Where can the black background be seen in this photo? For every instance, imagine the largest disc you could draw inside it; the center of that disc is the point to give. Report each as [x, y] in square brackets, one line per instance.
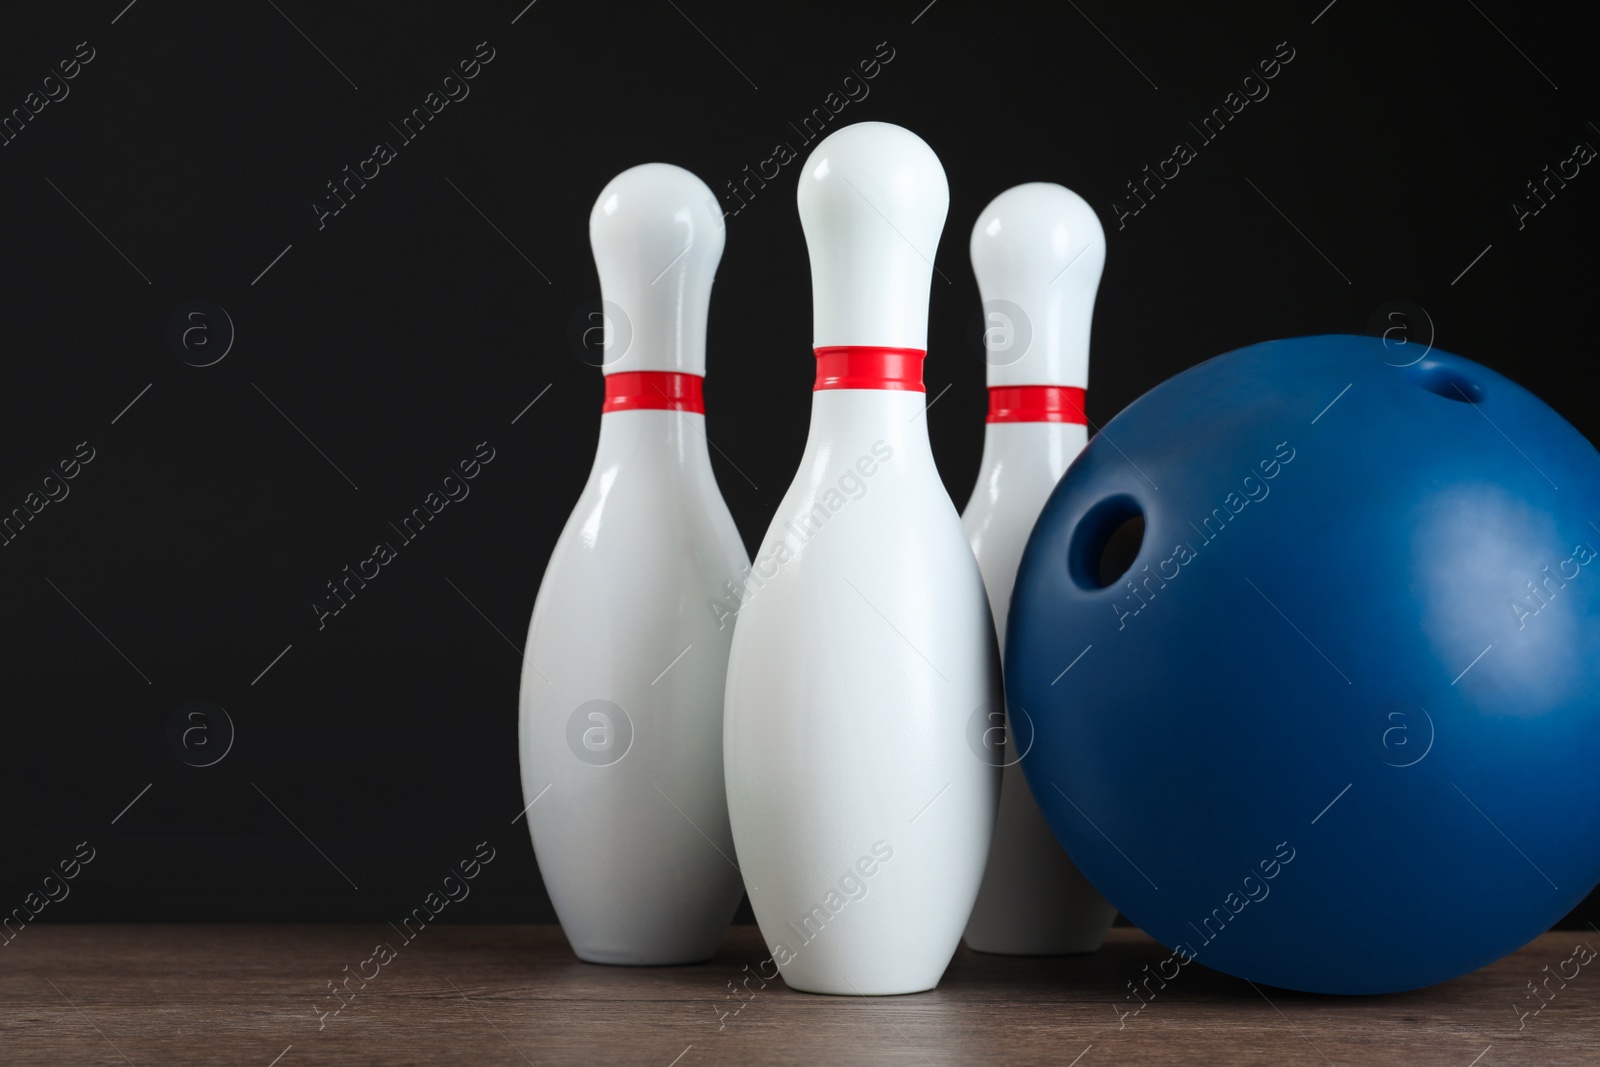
[426, 315]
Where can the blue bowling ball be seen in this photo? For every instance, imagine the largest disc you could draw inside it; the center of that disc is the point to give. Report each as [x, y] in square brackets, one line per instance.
[1310, 645]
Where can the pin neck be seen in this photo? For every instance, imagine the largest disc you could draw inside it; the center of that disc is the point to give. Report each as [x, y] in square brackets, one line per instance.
[1037, 403]
[654, 438]
[869, 367]
[654, 390]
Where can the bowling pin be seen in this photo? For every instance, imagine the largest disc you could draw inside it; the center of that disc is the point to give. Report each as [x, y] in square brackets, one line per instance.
[1038, 251]
[864, 645]
[622, 684]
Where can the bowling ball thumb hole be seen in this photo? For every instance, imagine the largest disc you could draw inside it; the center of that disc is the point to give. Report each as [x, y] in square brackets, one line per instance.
[1106, 542]
[1444, 381]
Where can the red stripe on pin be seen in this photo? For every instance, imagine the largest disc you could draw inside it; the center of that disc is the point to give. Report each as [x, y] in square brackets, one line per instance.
[659, 390]
[1037, 403]
[869, 367]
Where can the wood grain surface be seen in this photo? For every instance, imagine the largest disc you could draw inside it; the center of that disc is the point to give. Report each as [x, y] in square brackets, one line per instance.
[484, 995]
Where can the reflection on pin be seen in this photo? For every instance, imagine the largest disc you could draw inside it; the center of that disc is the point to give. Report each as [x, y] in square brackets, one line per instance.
[635, 879]
[1038, 252]
[855, 671]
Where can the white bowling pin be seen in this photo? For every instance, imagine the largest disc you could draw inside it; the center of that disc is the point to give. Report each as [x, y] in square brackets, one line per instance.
[621, 725]
[1038, 251]
[864, 647]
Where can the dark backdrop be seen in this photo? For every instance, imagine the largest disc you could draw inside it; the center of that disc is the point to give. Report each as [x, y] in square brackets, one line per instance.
[175, 178]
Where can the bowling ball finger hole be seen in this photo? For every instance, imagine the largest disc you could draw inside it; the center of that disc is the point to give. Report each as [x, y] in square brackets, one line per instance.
[1441, 380]
[1106, 542]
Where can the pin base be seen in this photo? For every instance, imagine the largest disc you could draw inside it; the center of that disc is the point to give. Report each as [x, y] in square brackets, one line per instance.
[629, 958]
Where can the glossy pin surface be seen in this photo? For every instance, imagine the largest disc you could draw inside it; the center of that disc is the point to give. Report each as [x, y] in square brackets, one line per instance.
[621, 700]
[864, 650]
[1038, 251]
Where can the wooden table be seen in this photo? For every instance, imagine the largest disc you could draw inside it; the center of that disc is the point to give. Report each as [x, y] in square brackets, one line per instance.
[511, 995]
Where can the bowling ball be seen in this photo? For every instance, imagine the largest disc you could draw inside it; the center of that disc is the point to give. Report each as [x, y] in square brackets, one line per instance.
[1311, 646]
